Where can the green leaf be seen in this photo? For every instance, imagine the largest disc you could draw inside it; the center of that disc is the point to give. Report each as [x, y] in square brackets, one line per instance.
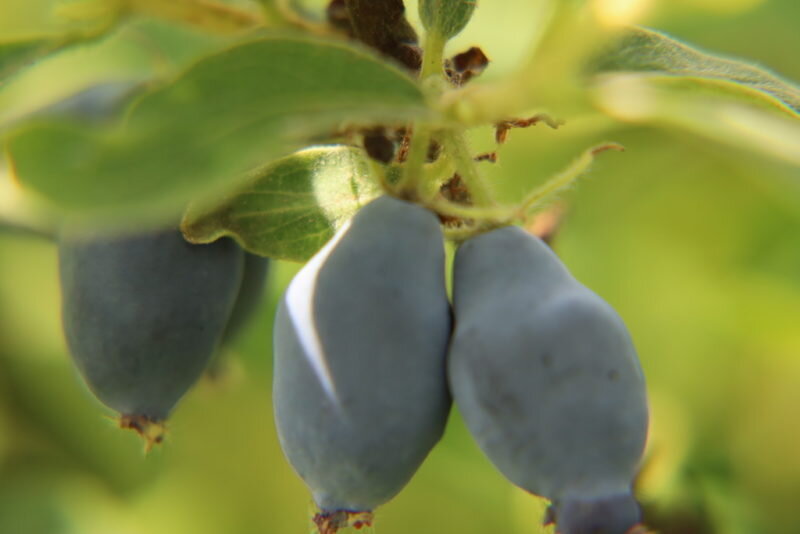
[97, 103]
[16, 55]
[646, 51]
[292, 207]
[446, 17]
[81, 23]
[688, 106]
[196, 137]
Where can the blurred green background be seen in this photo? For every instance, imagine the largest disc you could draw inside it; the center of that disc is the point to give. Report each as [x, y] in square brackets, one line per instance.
[697, 246]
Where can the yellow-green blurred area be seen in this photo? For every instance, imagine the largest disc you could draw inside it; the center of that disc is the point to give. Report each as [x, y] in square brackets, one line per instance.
[696, 245]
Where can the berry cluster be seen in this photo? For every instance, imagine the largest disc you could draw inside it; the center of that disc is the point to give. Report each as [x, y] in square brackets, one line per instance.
[542, 369]
[369, 355]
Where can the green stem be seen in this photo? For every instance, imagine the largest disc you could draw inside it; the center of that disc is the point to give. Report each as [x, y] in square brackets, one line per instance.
[494, 214]
[417, 154]
[455, 144]
[565, 178]
[436, 175]
[432, 56]
[432, 69]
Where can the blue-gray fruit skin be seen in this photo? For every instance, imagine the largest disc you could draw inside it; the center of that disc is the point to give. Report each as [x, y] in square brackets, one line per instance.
[548, 381]
[360, 338]
[614, 514]
[254, 278]
[143, 314]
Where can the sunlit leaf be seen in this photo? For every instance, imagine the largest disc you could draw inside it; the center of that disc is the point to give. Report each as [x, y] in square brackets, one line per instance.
[697, 108]
[289, 209]
[227, 115]
[647, 51]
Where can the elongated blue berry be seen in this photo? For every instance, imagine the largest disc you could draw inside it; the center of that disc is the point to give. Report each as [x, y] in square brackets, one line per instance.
[360, 338]
[548, 381]
[143, 314]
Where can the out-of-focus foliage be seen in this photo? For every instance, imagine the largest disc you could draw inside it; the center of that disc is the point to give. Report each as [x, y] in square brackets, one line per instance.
[697, 245]
[227, 114]
[643, 50]
[659, 80]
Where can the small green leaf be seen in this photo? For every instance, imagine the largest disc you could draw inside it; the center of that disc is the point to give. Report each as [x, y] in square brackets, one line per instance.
[227, 115]
[446, 17]
[292, 207]
[646, 51]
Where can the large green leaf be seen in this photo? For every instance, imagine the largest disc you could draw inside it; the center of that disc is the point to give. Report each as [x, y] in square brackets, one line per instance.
[289, 209]
[227, 115]
[645, 51]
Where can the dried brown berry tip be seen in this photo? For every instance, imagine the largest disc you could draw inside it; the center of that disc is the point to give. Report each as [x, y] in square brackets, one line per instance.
[331, 522]
[152, 431]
